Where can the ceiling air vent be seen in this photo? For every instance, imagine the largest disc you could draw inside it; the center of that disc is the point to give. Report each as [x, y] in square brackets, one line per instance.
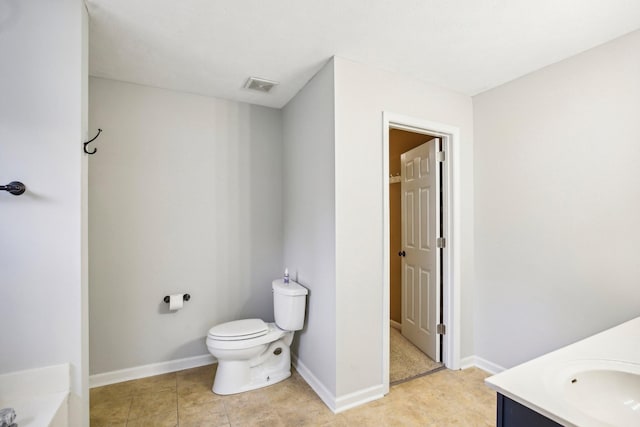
[262, 85]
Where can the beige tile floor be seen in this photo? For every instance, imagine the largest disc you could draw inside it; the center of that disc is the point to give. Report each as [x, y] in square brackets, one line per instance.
[445, 398]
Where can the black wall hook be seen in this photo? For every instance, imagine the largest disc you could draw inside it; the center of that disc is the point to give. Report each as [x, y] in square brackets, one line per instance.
[91, 140]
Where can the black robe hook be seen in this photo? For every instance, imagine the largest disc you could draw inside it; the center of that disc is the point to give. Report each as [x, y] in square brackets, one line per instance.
[91, 140]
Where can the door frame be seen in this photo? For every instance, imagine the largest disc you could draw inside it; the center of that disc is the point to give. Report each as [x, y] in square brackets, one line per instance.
[451, 284]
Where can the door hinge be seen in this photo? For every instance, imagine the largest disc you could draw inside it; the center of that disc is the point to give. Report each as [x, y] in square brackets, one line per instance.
[441, 242]
[441, 156]
[441, 329]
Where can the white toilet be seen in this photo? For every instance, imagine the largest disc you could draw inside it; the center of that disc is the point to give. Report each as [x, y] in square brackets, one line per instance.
[253, 354]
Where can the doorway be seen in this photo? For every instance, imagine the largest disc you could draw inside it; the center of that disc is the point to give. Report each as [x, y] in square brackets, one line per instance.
[415, 271]
[445, 140]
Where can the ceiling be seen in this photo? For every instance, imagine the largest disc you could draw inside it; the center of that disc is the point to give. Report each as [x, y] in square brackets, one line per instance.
[210, 47]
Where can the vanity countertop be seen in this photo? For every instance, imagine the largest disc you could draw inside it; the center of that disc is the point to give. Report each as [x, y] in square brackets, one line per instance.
[542, 384]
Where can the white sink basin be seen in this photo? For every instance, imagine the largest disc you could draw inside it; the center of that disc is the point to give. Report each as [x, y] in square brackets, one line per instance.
[594, 382]
[604, 390]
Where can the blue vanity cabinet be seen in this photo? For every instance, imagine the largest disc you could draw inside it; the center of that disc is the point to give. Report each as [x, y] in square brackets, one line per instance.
[514, 414]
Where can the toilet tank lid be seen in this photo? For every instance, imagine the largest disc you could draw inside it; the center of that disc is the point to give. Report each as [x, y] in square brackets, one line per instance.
[291, 288]
[247, 328]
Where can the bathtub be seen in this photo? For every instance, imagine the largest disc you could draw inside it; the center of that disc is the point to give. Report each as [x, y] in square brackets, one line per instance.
[591, 383]
[39, 396]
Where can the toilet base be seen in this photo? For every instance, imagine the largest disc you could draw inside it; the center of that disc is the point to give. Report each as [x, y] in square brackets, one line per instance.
[233, 376]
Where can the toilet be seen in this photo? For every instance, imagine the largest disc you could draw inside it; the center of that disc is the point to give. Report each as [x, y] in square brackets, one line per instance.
[252, 353]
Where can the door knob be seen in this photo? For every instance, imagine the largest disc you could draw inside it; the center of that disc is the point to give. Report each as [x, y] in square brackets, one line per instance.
[402, 253]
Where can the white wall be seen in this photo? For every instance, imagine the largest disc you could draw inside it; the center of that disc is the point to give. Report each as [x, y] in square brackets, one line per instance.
[43, 51]
[185, 196]
[557, 190]
[362, 94]
[309, 219]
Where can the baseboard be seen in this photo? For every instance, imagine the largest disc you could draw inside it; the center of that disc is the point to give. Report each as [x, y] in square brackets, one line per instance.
[323, 393]
[143, 371]
[492, 368]
[481, 363]
[396, 325]
[359, 397]
[342, 403]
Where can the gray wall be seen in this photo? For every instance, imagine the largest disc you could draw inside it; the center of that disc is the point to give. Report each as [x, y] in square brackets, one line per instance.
[362, 94]
[333, 215]
[185, 196]
[43, 87]
[309, 218]
[557, 202]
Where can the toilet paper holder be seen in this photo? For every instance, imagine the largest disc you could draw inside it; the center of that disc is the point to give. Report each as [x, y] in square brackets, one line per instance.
[185, 297]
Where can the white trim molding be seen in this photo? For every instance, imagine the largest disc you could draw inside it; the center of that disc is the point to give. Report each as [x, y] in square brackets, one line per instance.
[479, 362]
[323, 393]
[359, 397]
[150, 370]
[342, 403]
[452, 225]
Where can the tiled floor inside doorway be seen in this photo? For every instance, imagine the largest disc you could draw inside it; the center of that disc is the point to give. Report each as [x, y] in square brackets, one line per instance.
[406, 361]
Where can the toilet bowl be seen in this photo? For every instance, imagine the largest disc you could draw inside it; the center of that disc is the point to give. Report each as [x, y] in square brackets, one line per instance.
[252, 353]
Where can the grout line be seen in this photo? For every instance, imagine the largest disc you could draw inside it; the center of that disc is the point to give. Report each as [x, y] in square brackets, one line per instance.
[129, 410]
[177, 403]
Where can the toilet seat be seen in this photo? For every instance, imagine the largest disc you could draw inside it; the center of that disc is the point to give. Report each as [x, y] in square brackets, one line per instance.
[273, 333]
[239, 330]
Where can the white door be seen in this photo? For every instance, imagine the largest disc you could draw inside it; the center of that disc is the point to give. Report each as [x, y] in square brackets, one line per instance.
[420, 198]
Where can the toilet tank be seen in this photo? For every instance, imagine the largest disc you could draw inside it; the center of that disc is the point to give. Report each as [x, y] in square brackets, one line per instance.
[289, 303]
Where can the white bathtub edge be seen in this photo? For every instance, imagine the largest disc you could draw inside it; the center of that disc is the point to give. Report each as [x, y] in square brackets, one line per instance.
[46, 380]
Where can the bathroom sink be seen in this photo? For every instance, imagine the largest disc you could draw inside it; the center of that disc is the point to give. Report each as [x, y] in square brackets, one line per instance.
[604, 390]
